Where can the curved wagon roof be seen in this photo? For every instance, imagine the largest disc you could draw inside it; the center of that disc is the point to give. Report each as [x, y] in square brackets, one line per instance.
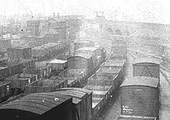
[38, 103]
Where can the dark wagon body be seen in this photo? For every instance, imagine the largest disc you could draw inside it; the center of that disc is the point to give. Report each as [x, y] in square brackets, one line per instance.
[80, 61]
[140, 93]
[140, 97]
[81, 106]
[88, 100]
[118, 50]
[39, 106]
[5, 90]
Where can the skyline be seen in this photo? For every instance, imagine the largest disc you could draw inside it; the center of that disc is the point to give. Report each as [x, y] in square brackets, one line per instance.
[155, 11]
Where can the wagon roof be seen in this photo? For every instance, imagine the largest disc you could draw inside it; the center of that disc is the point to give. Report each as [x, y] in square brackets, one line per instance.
[58, 61]
[72, 92]
[88, 48]
[142, 81]
[147, 60]
[79, 89]
[86, 56]
[38, 103]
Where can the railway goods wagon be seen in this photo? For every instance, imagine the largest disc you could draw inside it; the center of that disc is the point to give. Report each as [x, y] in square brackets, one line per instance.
[146, 67]
[5, 90]
[31, 76]
[83, 43]
[39, 106]
[64, 56]
[45, 85]
[81, 75]
[19, 82]
[98, 54]
[57, 65]
[86, 50]
[113, 64]
[49, 50]
[88, 100]
[15, 68]
[28, 63]
[100, 96]
[72, 81]
[43, 66]
[42, 72]
[76, 72]
[19, 52]
[110, 68]
[140, 98]
[102, 87]
[82, 107]
[104, 83]
[109, 76]
[4, 73]
[81, 61]
[118, 50]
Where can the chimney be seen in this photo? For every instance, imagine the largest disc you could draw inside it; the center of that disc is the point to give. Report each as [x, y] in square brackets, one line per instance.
[53, 15]
[58, 15]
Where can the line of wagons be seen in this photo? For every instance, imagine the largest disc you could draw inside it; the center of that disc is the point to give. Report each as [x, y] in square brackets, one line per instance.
[60, 71]
[102, 84]
[84, 104]
[140, 94]
[22, 58]
[70, 103]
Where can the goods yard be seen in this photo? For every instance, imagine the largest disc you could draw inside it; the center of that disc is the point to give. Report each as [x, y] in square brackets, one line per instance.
[111, 76]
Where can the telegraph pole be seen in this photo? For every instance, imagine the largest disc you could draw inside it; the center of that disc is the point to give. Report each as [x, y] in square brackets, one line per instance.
[115, 12]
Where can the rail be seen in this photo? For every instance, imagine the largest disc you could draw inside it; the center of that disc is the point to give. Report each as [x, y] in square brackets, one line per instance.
[158, 57]
[166, 77]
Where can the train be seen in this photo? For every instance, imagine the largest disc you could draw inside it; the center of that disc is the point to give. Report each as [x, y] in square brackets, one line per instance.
[15, 68]
[87, 57]
[87, 101]
[21, 60]
[84, 103]
[118, 49]
[30, 71]
[140, 93]
[49, 50]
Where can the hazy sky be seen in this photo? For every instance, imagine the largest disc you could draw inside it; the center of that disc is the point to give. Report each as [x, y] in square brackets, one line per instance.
[134, 10]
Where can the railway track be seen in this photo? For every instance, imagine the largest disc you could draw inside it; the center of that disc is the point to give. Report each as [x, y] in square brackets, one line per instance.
[164, 94]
